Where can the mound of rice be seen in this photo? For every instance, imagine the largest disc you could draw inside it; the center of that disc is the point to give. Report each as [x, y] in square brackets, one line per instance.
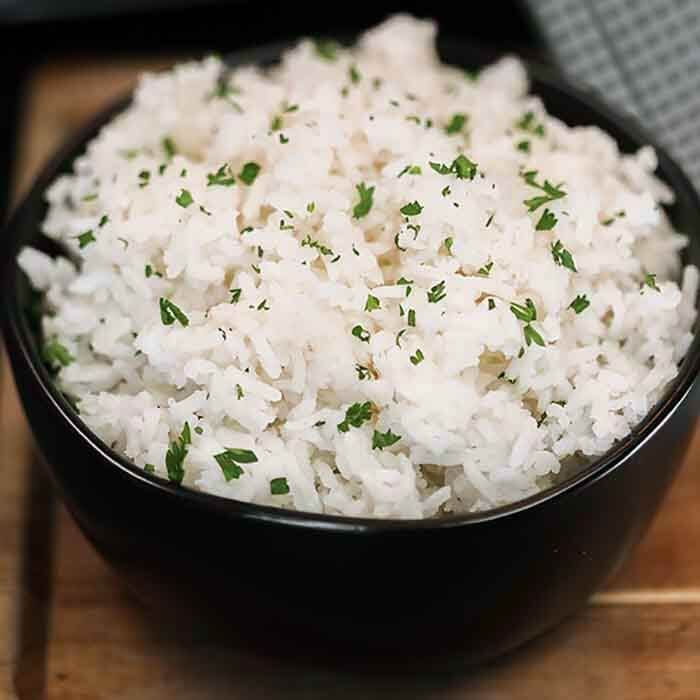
[360, 283]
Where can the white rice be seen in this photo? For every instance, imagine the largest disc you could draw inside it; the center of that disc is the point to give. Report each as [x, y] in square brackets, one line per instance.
[484, 419]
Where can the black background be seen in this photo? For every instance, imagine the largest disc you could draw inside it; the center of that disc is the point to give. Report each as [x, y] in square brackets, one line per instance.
[36, 31]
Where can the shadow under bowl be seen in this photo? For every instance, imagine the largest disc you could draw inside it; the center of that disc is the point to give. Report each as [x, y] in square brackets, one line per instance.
[464, 587]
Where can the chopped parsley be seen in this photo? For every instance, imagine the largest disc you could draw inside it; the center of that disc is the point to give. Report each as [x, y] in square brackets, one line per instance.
[249, 172]
[411, 170]
[149, 468]
[489, 220]
[650, 281]
[396, 243]
[448, 243]
[461, 167]
[230, 460]
[354, 74]
[456, 123]
[528, 123]
[310, 207]
[408, 283]
[355, 416]
[85, 239]
[103, 220]
[361, 333]
[169, 313]
[262, 306]
[492, 304]
[580, 303]
[437, 293]
[311, 243]
[168, 147]
[382, 440]
[562, 256]
[527, 314]
[184, 199]
[399, 335]
[283, 139]
[54, 353]
[326, 49]
[148, 271]
[366, 194]
[90, 197]
[223, 177]
[235, 295]
[417, 358]
[239, 392]
[412, 318]
[279, 486]
[411, 209]
[199, 430]
[175, 456]
[547, 221]
[445, 191]
[523, 146]
[550, 191]
[372, 303]
[532, 336]
[485, 271]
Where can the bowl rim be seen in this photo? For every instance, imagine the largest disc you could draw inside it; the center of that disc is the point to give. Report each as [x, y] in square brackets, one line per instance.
[18, 334]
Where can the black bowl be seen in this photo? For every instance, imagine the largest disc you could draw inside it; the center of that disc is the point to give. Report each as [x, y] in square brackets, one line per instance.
[474, 584]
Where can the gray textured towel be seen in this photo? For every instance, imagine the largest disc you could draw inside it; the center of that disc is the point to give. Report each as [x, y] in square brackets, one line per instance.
[642, 56]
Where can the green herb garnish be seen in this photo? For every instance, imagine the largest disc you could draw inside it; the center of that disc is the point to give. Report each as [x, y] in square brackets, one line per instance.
[456, 123]
[361, 333]
[184, 199]
[54, 353]
[169, 313]
[650, 281]
[580, 303]
[382, 440]
[437, 293]
[417, 358]
[550, 191]
[355, 416]
[231, 459]
[547, 221]
[411, 209]
[168, 147]
[222, 177]
[279, 486]
[175, 456]
[85, 239]
[366, 194]
[372, 303]
[562, 256]
[326, 49]
[249, 172]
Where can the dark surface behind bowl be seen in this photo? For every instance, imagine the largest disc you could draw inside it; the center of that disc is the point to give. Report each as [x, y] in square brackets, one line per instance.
[472, 586]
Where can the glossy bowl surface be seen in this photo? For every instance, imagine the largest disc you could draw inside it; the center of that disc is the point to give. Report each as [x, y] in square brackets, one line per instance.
[467, 587]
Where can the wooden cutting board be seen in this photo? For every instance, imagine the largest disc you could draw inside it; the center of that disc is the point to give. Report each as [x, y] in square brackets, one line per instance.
[69, 631]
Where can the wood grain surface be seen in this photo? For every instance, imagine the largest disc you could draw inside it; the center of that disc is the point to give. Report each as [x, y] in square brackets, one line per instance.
[69, 631]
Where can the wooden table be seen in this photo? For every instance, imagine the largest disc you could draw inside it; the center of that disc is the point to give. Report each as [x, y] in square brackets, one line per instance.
[68, 630]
